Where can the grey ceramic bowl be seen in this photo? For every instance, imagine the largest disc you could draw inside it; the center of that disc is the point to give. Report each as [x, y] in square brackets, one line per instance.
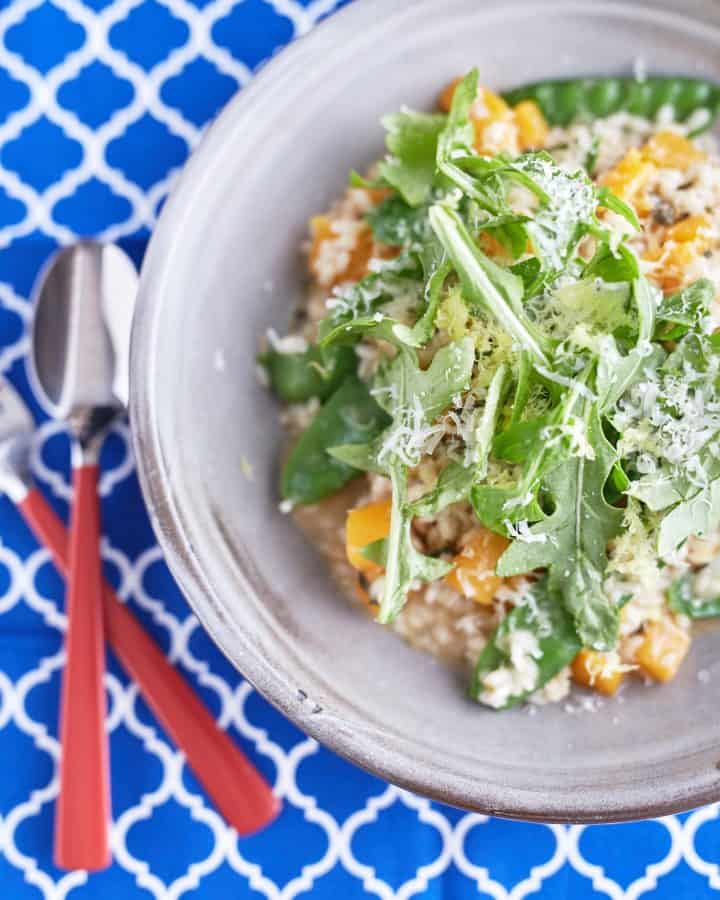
[223, 265]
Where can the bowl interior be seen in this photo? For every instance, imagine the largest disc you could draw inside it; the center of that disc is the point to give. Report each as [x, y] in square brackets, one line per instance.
[225, 265]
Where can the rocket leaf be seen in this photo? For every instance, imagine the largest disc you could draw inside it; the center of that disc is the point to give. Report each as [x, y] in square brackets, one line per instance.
[412, 141]
[487, 285]
[572, 541]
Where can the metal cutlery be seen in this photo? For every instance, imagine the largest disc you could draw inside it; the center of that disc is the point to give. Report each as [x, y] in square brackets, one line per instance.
[81, 330]
[239, 792]
[84, 307]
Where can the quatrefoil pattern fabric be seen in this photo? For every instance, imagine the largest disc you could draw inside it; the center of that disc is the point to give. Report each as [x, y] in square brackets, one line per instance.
[101, 102]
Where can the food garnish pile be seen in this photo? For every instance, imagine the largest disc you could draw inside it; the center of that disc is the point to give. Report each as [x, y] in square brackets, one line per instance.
[510, 339]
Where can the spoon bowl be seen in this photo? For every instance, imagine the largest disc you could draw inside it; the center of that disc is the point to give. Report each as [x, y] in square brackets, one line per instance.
[81, 335]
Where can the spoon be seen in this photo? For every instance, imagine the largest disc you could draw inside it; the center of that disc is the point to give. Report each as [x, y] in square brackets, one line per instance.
[83, 313]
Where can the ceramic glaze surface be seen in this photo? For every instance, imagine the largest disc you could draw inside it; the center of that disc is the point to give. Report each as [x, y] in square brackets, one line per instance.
[223, 266]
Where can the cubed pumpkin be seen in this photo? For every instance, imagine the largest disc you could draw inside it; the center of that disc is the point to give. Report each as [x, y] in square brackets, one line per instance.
[364, 525]
[662, 650]
[474, 571]
[532, 127]
[598, 671]
[669, 150]
[356, 252]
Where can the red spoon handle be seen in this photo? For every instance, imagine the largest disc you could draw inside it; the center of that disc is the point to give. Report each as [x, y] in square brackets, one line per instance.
[82, 813]
[239, 792]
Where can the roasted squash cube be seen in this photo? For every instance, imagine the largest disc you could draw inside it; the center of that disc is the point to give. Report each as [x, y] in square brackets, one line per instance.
[629, 179]
[339, 253]
[669, 150]
[600, 671]
[662, 650]
[364, 525]
[697, 228]
[532, 127]
[474, 572]
[448, 92]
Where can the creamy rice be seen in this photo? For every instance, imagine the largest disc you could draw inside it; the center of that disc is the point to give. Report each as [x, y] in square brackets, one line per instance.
[438, 618]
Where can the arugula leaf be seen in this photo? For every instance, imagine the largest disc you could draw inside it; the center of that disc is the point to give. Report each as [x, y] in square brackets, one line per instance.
[453, 485]
[494, 173]
[685, 310]
[399, 277]
[700, 515]
[657, 490]
[422, 331]
[615, 372]
[566, 202]
[378, 327]
[404, 563]
[457, 137]
[601, 305]
[459, 131]
[411, 396]
[541, 633]
[485, 284]
[296, 377]
[395, 222]
[524, 382]
[414, 398]
[433, 388]
[572, 541]
[478, 177]
[499, 507]
[529, 270]
[619, 264]
[487, 424]
[612, 202]
[520, 439]
[567, 213]
[683, 600]
[495, 507]
[456, 480]
[350, 416]
[412, 139]
[670, 427]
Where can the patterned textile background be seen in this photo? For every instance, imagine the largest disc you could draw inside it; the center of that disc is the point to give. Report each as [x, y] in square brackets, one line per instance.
[100, 103]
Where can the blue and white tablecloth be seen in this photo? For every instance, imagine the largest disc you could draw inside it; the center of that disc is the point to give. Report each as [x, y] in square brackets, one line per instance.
[100, 103]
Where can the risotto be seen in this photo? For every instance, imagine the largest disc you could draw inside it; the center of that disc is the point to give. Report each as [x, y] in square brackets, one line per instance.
[502, 394]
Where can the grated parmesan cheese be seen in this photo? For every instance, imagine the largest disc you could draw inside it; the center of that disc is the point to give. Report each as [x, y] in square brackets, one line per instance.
[519, 677]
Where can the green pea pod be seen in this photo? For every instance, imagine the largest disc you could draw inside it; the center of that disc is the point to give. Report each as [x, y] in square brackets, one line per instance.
[580, 99]
[682, 600]
[350, 416]
[557, 645]
[297, 377]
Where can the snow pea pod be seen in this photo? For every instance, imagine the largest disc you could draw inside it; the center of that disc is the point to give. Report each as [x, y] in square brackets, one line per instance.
[297, 377]
[564, 101]
[350, 416]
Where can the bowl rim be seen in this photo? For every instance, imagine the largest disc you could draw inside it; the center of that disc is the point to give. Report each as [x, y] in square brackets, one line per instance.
[166, 519]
